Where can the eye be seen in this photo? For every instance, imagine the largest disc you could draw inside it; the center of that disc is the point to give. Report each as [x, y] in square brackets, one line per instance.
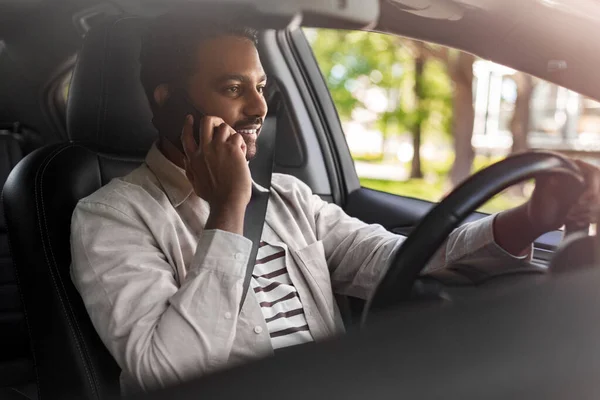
[233, 89]
[260, 89]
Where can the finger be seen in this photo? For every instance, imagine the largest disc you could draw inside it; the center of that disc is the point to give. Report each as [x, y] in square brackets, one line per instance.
[238, 142]
[576, 224]
[575, 214]
[187, 137]
[580, 210]
[222, 133]
[584, 167]
[591, 174]
[236, 139]
[207, 131]
[587, 200]
[583, 214]
[579, 219]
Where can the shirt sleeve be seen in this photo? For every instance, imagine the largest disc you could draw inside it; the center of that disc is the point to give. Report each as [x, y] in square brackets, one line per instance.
[159, 332]
[474, 244]
[358, 253]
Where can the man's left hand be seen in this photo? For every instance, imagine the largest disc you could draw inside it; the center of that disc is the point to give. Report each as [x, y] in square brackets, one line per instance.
[555, 202]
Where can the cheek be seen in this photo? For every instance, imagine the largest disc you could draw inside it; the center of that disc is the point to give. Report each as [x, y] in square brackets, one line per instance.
[222, 107]
[215, 104]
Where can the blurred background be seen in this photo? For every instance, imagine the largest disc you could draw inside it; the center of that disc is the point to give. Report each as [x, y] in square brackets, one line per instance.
[420, 118]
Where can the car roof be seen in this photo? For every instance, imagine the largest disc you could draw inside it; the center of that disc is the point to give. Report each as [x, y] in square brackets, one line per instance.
[551, 39]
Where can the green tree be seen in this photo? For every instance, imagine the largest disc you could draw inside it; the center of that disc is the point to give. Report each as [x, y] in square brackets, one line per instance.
[520, 121]
[417, 89]
[460, 66]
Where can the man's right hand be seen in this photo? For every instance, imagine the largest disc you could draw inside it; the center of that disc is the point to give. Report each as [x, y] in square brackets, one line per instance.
[218, 171]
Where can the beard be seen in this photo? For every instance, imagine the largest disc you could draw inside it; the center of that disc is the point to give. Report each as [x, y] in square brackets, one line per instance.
[250, 131]
[251, 148]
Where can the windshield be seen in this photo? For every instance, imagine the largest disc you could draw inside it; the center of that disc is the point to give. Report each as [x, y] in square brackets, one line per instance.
[419, 118]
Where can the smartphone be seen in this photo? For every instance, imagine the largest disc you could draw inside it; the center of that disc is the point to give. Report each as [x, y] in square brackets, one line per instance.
[170, 118]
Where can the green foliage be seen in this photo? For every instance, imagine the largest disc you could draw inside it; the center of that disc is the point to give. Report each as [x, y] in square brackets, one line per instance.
[353, 62]
[371, 158]
[421, 189]
[434, 187]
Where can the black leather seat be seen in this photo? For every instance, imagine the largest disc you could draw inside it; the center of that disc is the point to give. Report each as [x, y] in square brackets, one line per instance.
[110, 126]
[16, 365]
[109, 123]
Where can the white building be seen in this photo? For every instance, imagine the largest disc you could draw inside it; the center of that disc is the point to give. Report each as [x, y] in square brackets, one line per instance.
[560, 119]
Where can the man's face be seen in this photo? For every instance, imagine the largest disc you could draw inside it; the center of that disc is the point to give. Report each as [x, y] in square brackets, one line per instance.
[229, 84]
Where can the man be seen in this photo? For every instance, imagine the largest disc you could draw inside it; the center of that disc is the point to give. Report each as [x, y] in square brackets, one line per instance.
[159, 257]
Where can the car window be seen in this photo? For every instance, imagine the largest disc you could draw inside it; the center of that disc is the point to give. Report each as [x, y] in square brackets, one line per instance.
[420, 118]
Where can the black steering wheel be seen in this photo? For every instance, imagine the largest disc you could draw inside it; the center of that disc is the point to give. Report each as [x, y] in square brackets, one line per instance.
[431, 232]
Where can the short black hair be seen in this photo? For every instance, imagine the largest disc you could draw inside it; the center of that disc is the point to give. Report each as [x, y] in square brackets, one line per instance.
[168, 52]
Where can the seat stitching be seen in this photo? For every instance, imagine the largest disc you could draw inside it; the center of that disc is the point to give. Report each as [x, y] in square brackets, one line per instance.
[18, 391]
[52, 264]
[25, 313]
[115, 158]
[38, 179]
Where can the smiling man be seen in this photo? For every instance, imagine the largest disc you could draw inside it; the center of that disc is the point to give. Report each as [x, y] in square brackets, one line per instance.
[159, 257]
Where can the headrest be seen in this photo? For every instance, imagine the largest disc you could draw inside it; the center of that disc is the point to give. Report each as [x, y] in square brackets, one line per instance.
[107, 105]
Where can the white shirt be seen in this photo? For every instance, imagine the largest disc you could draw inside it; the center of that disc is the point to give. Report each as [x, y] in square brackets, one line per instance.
[164, 294]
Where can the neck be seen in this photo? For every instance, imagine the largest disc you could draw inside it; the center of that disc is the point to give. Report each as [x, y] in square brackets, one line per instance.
[172, 153]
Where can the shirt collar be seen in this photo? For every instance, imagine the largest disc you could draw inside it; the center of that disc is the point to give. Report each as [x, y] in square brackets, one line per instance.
[258, 187]
[173, 179]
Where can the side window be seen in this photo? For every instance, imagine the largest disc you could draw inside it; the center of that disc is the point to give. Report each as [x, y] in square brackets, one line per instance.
[420, 118]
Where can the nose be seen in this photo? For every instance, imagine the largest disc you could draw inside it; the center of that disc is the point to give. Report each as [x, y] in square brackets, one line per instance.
[255, 105]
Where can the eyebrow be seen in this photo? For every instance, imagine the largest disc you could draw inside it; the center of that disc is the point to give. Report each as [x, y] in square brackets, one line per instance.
[241, 78]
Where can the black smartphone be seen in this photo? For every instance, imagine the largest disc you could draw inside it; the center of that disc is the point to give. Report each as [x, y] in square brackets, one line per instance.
[170, 118]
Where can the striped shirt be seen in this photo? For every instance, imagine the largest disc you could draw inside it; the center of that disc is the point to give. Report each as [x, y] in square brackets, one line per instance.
[278, 298]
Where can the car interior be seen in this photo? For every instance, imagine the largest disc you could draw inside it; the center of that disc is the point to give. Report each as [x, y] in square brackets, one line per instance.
[16, 366]
[58, 148]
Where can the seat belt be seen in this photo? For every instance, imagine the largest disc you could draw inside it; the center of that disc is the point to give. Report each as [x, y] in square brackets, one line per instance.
[261, 169]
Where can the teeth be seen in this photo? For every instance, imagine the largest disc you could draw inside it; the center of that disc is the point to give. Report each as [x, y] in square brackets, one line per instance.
[247, 131]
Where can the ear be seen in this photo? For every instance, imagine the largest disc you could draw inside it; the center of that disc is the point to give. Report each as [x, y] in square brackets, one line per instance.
[161, 94]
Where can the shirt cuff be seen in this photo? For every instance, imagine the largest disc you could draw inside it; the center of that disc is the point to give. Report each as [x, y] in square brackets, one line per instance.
[223, 251]
[483, 235]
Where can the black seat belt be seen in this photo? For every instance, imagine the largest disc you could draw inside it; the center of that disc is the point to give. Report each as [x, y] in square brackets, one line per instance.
[261, 168]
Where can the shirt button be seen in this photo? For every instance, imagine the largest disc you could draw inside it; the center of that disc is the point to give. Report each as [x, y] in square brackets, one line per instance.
[239, 256]
[227, 315]
[257, 329]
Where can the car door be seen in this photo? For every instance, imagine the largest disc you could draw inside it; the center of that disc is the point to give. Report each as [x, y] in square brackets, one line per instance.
[398, 209]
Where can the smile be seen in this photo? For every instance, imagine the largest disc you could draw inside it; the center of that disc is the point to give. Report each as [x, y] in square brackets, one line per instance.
[249, 130]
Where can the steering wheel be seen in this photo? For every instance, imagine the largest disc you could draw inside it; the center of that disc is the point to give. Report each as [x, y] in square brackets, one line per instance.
[431, 232]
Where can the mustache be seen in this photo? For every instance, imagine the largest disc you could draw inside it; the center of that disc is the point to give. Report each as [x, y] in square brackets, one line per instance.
[248, 122]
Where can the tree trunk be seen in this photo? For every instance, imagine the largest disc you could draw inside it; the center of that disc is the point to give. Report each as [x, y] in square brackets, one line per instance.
[519, 124]
[461, 72]
[384, 136]
[415, 167]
